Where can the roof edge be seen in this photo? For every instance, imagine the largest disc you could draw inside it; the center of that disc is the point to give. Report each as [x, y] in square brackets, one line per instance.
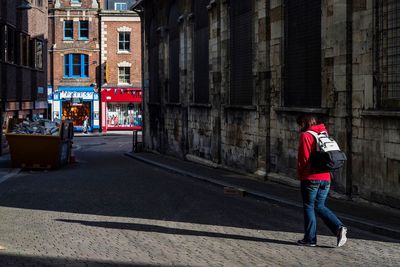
[137, 4]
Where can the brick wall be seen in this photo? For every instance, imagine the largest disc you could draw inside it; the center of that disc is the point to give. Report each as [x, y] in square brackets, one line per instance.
[111, 25]
[62, 47]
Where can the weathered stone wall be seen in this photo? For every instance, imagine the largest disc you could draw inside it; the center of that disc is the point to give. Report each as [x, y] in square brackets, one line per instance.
[376, 133]
[263, 138]
[200, 133]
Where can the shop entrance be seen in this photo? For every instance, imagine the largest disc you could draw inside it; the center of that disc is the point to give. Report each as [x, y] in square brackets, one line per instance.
[76, 112]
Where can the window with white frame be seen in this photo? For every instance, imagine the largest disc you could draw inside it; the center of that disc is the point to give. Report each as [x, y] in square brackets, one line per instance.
[124, 43]
[121, 6]
[124, 75]
[83, 30]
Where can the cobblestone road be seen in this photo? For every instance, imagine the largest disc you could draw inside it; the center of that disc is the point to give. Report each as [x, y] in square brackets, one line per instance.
[110, 210]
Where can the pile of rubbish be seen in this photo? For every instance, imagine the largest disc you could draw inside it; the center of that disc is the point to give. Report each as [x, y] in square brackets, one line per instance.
[40, 127]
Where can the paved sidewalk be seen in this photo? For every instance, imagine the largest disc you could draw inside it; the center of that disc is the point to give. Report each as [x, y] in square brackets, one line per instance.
[109, 133]
[355, 213]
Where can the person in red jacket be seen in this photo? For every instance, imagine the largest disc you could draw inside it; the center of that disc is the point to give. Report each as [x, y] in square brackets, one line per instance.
[314, 186]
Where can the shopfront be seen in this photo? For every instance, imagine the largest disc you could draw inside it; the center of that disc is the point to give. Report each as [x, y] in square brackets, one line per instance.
[75, 104]
[121, 109]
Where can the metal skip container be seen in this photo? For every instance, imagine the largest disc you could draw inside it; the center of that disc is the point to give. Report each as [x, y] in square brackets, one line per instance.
[39, 151]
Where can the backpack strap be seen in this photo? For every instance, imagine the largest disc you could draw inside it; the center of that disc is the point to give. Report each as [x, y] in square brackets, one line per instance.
[316, 135]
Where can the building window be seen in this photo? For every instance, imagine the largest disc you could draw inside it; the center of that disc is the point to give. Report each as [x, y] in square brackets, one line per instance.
[10, 44]
[241, 53]
[174, 47]
[32, 53]
[302, 71]
[388, 54]
[153, 42]
[68, 30]
[124, 43]
[83, 30]
[39, 54]
[2, 42]
[24, 49]
[201, 51]
[124, 75]
[76, 66]
[121, 6]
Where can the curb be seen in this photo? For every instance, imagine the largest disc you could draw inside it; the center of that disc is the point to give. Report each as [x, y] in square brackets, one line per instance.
[355, 221]
[97, 135]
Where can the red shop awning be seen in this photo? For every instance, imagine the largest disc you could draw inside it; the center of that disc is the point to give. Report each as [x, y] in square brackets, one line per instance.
[126, 94]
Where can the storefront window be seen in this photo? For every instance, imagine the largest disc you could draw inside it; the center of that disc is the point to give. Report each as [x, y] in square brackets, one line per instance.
[76, 112]
[124, 115]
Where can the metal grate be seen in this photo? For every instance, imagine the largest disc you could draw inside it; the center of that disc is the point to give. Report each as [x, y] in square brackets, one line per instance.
[241, 52]
[388, 52]
[201, 52]
[173, 27]
[302, 70]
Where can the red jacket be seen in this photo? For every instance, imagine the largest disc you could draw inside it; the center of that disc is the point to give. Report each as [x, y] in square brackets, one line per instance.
[307, 145]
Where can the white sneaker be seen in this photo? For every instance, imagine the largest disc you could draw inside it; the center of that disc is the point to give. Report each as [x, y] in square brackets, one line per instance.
[341, 238]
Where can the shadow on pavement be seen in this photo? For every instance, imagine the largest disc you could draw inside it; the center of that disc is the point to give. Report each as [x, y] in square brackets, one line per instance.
[175, 231]
[22, 260]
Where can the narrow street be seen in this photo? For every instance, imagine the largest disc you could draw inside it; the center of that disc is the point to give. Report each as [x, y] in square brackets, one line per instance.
[110, 210]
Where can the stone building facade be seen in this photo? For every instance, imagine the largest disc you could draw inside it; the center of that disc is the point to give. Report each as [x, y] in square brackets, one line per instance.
[224, 81]
[23, 60]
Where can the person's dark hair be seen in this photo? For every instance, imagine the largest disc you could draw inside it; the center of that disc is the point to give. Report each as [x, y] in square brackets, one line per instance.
[306, 120]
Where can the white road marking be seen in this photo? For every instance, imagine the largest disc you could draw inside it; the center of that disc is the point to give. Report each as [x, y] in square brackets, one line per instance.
[10, 174]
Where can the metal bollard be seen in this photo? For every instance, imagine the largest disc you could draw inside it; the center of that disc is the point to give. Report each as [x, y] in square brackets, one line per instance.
[135, 140]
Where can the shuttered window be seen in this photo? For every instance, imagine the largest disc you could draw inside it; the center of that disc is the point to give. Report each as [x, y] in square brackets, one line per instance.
[388, 53]
[241, 52]
[154, 89]
[302, 71]
[201, 52]
[173, 89]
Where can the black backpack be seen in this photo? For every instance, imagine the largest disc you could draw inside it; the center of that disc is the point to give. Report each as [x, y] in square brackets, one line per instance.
[327, 156]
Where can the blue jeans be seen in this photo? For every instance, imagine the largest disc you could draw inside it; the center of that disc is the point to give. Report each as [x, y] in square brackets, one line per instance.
[314, 193]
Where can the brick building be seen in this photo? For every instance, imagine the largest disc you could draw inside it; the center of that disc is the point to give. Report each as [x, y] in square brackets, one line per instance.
[23, 59]
[74, 66]
[225, 80]
[94, 63]
[121, 94]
